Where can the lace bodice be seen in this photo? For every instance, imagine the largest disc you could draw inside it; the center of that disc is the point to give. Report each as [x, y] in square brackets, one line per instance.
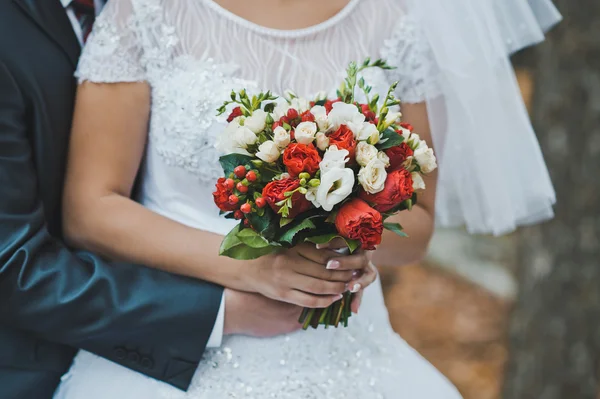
[193, 52]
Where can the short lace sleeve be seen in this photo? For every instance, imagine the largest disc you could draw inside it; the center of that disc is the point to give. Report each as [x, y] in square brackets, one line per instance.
[113, 52]
[415, 69]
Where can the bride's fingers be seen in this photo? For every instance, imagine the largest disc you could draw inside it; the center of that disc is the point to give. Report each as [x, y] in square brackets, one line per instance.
[316, 286]
[319, 272]
[336, 243]
[363, 280]
[310, 301]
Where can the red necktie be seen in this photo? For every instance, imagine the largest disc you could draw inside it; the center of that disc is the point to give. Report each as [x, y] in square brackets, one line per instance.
[86, 14]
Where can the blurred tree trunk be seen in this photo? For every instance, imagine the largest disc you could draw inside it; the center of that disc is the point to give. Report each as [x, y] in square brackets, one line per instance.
[555, 327]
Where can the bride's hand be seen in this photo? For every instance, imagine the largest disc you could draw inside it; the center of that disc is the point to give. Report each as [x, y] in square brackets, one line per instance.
[307, 276]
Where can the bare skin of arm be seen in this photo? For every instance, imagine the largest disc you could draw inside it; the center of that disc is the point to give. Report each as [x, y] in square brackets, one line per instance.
[108, 141]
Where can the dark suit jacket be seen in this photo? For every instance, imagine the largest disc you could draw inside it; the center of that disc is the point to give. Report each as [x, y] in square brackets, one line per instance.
[52, 299]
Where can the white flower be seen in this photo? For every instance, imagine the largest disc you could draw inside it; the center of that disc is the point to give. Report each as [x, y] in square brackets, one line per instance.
[305, 132]
[284, 175]
[322, 141]
[281, 137]
[336, 185]
[372, 177]
[365, 153]
[226, 140]
[268, 151]
[415, 141]
[280, 110]
[346, 114]
[301, 104]
[244, 137]
[418, 183]
[257, 121]
[392, 117]
[368, 131]
[333, 159]
[382, 156]
[404, 132]
[320, 114]
[311, 195]
[426, 159]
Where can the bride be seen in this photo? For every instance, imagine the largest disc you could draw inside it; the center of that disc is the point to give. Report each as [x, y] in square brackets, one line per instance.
[153, 74]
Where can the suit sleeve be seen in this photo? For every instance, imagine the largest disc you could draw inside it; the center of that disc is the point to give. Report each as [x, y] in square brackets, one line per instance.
[78, 299]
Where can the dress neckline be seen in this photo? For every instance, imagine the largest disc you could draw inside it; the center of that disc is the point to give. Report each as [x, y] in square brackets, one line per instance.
[283, 33]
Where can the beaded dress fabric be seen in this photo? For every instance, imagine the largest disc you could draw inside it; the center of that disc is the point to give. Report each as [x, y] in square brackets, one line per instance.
[193, 53]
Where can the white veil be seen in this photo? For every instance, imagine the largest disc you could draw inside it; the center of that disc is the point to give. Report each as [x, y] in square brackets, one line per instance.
[492, 174]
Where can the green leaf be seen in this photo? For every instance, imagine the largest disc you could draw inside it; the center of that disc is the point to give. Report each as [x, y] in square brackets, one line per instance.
[291, 233]
[353, 245]
[266, 225]
[285, 222]
[396, 228]
[231, 161]
[234, 248]
[252, 239]
[270, 107]
[389, 139]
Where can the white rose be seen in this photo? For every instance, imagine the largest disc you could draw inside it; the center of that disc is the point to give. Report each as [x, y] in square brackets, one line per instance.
[257, 121]
[392, 117]
[346, 114]
[244, 137]
[281, 137]
[365, 153]
[426, 159]
[418, 183]
[305, 132]
[404, 133]
[280, 110]
[322, 141]
[333, 159]
[268, 151]
[320, 114]
[415, 141]
[367, 131]
[336, 185]
[372, 177]
[382, 156]
[301, 104]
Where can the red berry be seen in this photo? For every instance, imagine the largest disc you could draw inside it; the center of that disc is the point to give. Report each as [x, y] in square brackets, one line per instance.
[238, 215]
[261, 202]
[233, 199]
[246, 223]
[240, 171]
[229, 183]
[251, 176]
[246, 208]
[241, 188]
[292, 114]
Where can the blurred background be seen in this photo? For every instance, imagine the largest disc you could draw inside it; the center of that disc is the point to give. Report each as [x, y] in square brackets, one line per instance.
[518, 317]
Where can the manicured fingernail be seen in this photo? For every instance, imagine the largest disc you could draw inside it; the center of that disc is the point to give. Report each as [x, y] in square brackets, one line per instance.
[355, 273]
[355, 288]
[322, 246]
[333, 264]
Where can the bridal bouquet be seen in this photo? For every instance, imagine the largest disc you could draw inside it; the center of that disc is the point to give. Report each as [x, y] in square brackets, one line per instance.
[300, 170]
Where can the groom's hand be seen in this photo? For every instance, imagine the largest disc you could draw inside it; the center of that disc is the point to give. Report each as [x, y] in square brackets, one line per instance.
[258, 316]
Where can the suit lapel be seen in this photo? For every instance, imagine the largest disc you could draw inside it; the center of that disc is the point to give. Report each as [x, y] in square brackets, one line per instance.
[50, 16]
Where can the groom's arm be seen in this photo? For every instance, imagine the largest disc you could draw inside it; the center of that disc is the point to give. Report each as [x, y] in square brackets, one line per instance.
[77, 298]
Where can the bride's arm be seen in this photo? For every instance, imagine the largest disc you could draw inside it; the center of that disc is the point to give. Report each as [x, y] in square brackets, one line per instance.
[107, 145]
[419, 222]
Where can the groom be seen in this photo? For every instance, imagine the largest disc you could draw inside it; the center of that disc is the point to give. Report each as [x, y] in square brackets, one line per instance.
[53, 300]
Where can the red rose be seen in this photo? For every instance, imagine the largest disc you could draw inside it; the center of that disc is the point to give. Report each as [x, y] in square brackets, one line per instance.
[237, 111]
[275, 192]
[369, 115]
[307, 116]
[343, 138]
[398, 155]
[329, 104]
[221, 196]
[407, 126]
[398, 187]
[358, 221]
[300, 158]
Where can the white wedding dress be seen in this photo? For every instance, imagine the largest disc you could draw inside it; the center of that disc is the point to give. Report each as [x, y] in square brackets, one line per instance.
[193, 53]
